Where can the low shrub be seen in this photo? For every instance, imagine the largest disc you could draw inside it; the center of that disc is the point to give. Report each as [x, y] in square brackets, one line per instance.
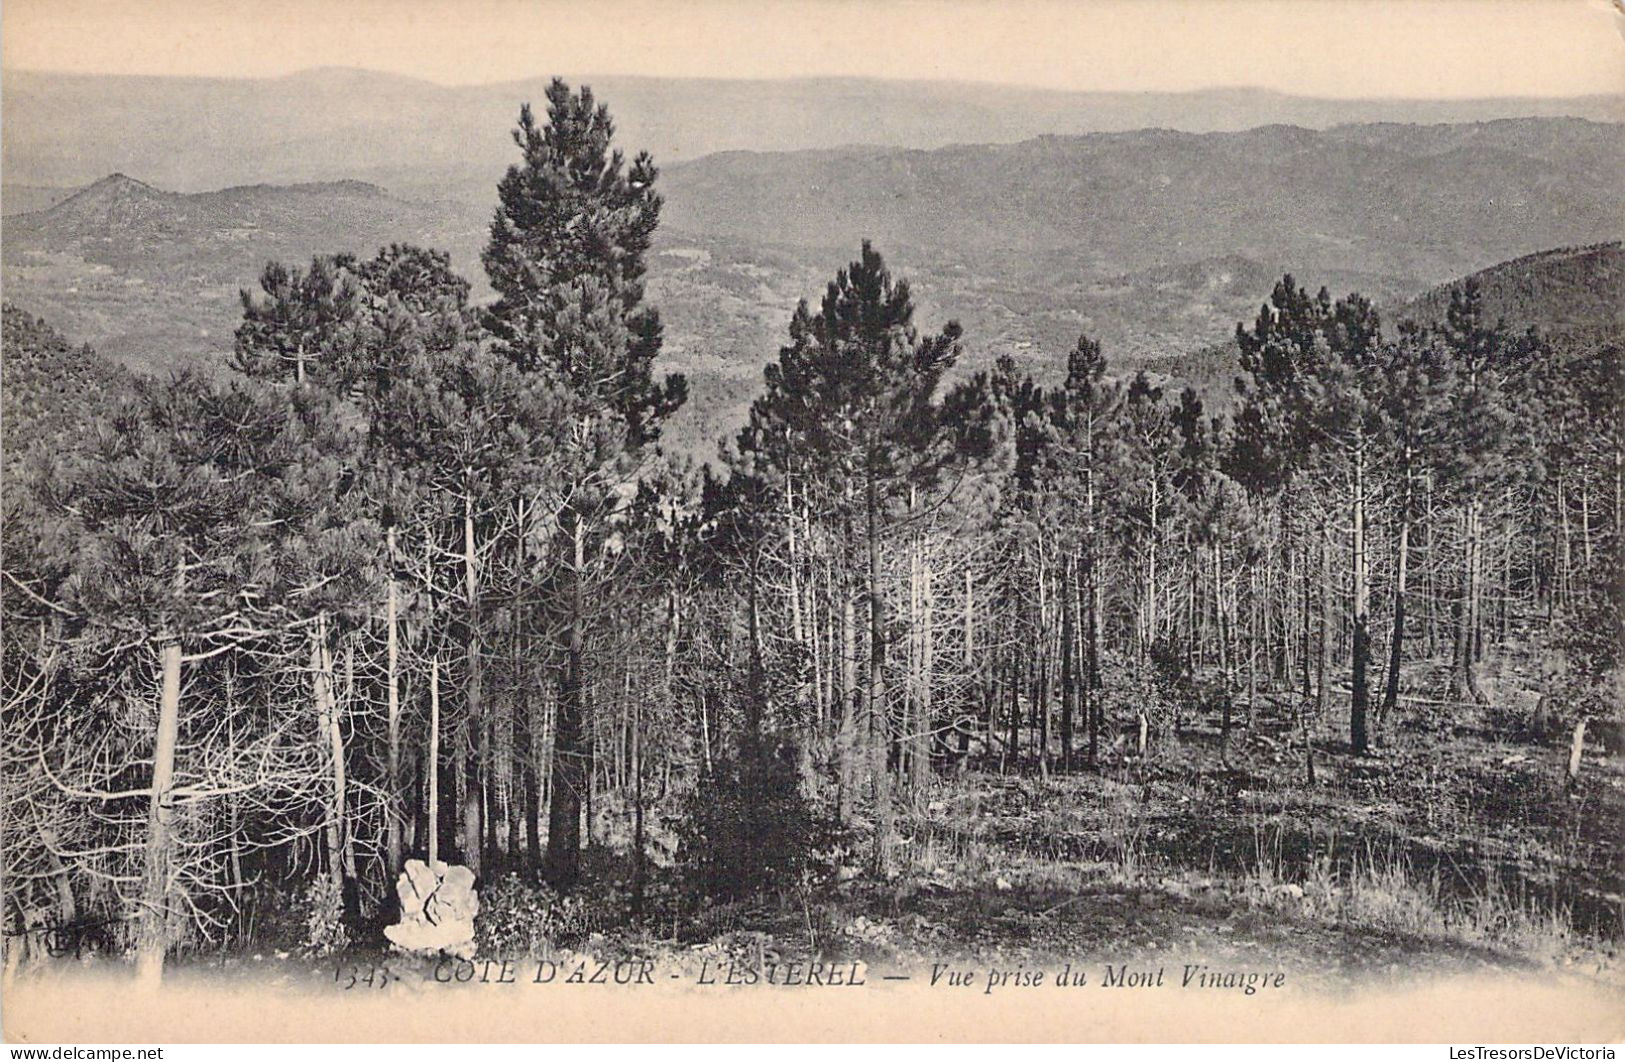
[747, 830]
[519, 916]
[322, 904]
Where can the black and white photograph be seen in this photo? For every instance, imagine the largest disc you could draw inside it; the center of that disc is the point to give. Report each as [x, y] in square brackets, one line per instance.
[533, 521]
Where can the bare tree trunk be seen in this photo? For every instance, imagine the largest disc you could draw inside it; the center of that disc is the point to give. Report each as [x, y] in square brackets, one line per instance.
[818, 724]
[339, 864]
[847, 739]
[153, 940]
[1306, 652]
[1256, 619]
[1430, 593]
[392, 761]
[1396, 641]
[1323, 655]
[798, 631]
[1360, 694]
[1221, 637]
[1151, 572]
[1040, 685]
[1013, 746]
[1092, 634]
[1466, 672]
[640, 866]
[756, 697]
[920, 728]
[1069, 667]
[562, 864]
[434, 764]
[322, 689]
[475, 765]
[879, 717]
[1585, 520]
[970, 663]
[1289, 595]
[541, 767]
[1565, 556]
[1195, 655]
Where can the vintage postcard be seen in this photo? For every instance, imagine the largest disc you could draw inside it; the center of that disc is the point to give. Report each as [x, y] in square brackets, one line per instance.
[813, 520]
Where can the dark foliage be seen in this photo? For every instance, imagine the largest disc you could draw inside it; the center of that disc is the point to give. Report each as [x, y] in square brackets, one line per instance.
[747, 829]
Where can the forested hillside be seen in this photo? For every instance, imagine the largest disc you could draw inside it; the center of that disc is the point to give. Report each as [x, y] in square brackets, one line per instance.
[1566, 291]
[417, 576]
[1571, 296]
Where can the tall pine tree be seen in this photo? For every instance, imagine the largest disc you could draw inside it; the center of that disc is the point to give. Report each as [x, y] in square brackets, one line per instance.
[566, 257]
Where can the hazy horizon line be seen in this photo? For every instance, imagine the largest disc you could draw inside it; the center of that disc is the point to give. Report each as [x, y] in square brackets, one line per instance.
[969, 82]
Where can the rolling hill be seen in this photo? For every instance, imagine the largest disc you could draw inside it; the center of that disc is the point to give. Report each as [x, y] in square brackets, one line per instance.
[1564, 291]
[151, 277]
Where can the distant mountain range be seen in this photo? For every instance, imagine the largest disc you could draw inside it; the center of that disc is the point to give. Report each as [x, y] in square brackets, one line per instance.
[1156, 242]
[1423, 202]
[420, 139]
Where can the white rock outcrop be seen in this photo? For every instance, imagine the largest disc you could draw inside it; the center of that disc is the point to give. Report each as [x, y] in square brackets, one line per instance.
[437, 910]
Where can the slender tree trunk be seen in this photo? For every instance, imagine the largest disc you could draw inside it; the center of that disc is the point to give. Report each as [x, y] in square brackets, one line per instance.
[1585, 520]
[1396, 641]
[1305, 650]
[1151, 573]
[1466, 676]
[1091, 595]
[847, 739]
[1221, 638]
[321, 683]
[805, 722]
[920, 761]
[1092, 634]
[1041, 668]
[1360, 695]
[755, 699]
[973, 679]
[1255, 621]
[1324, 653]
[1194, 655]
[1069, 667]
[562, 864]
[1430, 594]
[341, 863]
[911, 671]
[640, 857]
[528, 781]
[434, 764]
[392, 761]
[153, 939]
[879, 721]
[476, 764]
[1013, 746]
[1565, 556]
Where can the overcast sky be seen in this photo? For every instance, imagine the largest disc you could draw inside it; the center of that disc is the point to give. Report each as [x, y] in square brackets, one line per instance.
[1343, 48]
